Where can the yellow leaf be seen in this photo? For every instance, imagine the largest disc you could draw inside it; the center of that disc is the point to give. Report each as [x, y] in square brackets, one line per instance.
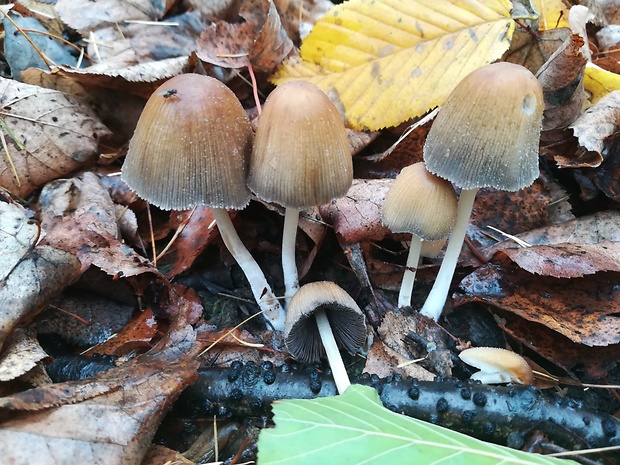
[553, 14]
[385, 61]
[599, 82]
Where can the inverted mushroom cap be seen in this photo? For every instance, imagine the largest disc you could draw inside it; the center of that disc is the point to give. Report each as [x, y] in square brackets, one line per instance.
[191, 146]
[301, 155]
[487, 132]
[498, 365]
[345, 317]
[420, 203]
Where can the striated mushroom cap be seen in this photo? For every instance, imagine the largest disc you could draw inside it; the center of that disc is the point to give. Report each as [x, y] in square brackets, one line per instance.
[345, 318]
[420, 203]
[497, 365]
[301, 155]
[487, 132]
[191, 146]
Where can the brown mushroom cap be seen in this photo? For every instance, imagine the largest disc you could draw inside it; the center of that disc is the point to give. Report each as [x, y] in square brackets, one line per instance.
[487, 132]
[345, 317]
[301, 155]
[420, 203]
[191, 146]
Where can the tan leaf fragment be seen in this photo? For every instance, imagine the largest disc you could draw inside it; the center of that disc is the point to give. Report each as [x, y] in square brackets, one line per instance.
[107, 12]
[357, 216]
[39, 277]
[21, 354]
[58, 132]
[260, 40]
[598, 122]
[30, 276]
[79, 217]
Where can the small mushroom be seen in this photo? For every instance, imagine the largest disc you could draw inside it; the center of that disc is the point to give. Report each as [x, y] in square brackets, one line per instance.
[301, 159]
[424, 205]
[497, 365]
[191, 147]
[486, 134]
[322, 316]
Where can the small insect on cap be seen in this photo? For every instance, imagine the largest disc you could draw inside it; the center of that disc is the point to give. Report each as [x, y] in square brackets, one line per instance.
[345, 318]
[301, 155]
[191, 146]
[487, 132]
[420, 203]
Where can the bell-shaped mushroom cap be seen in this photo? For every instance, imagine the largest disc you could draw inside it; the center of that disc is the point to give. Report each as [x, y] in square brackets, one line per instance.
[420, 203]
[301, 155]
[498, 365]
[191, 146]
[487, 132]
[345, 317]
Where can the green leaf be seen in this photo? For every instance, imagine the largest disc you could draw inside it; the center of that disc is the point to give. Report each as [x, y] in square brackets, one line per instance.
[354, 429]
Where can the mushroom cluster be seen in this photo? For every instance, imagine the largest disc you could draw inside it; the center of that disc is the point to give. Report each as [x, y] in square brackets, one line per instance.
[191, 147]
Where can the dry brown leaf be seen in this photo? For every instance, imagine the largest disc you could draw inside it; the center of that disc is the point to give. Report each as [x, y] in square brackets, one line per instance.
[136, 335]
[79, 217]
[123, 45]
[582, 309]
[562, 80]
[107, 419]
[567, 260]
[83, 318]
[598, 123]
[29, 276]
[102, 13]
[141, 79]
[199, 232]
[591, 229]
[59, 134]
[357, 215]
[21, 354]
[384, 361]
[259, 40]
[553, 346]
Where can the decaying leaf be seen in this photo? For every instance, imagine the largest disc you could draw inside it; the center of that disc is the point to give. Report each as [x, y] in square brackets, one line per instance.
[385, 61]
[259, 40]
[357, 216]
[562, 80]
[30, 276]
[80, 217]
[108, 12]
[51, 134]
[598, 122]
[21, 354]
[83, 318]
[107, 419]
[582, 309]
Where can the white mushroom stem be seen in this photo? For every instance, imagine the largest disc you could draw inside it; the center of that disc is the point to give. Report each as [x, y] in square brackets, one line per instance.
[289, 266]
[406, 287]
[339, 371]
[437, 298]
[268, 303]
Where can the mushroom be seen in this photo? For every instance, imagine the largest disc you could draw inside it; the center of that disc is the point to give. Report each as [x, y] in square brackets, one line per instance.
[485, 135]
[191, 147]
[424, 205]
[497, 365]
[301, 159]
[321, 316]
